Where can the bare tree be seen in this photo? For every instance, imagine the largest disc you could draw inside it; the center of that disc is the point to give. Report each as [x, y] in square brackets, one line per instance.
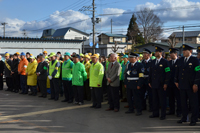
[115, 48]
[172, 41]
[150, 24]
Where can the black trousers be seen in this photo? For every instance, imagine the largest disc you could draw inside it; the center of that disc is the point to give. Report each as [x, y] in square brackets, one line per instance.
[87, 90]
[174, 93]
[23, 83]
[43, 87]
[159, 99]
[113, 97]
[193, 98]
[9, 83]
[33, 89]
[54, 83]
[96, 96]
[135, 97]
[68, 90]
[78, 93]
[1, 82]
[16, 81]
[150, 96]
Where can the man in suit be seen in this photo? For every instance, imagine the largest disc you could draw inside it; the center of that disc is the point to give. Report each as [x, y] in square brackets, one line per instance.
[1, 73]
[8, 64]
[112, 75]
[133, 80]
[187, 78]
[147, 63]
[14, 72]
[172, 90]
[158, 80]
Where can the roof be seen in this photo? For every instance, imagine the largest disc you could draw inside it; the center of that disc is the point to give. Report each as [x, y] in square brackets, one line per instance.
[113, 35]
[63, 31]
[39, 39]
[187, 34]
[167, 45]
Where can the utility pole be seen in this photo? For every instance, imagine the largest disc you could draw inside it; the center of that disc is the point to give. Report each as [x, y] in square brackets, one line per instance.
[4, 24]
[83, 44]
[93, 21]
[183, 35]
[111, 26]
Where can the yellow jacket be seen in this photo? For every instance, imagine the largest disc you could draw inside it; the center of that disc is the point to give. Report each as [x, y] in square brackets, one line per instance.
[96, 75]
[31, 70]
[87, 69]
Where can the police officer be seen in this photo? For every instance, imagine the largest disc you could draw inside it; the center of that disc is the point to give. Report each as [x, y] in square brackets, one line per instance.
[158, 80]
[133, 80]
[146, 63]
[198, 57]
[187, 78]
[172, 90]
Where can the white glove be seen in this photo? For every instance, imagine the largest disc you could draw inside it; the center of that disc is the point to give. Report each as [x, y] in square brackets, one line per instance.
[50, 77]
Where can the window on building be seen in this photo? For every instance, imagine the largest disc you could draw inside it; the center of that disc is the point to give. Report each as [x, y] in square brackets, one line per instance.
[179, 39]
[189, 39]
[185, 39]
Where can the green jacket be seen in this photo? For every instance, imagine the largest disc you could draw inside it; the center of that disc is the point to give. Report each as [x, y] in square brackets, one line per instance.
[122, 70]
[121, 74]
[96, 74]
[79, 74]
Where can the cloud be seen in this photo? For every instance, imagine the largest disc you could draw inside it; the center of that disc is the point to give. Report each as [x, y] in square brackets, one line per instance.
[179, 10]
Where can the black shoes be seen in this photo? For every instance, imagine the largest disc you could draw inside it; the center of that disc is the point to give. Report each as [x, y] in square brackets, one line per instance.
[70, 101]
[138, 114]
[192, 123]
[64, 100]
[181, 121]
[170, 113]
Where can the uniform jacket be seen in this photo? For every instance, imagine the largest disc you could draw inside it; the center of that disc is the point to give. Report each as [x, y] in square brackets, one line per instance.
[187, 74]
[159, 74]
[31, 70]
[8, 68]
[22, 66]
[113, 73]
[87, 68]
[42, 69]
[172, 73]
[137, 71]
[96, 75]
[14, 67]
[146, 70]
[123, 69]
[79, 74]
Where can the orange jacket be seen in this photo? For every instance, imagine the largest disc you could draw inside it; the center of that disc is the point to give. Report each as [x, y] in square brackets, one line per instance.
[22, 66]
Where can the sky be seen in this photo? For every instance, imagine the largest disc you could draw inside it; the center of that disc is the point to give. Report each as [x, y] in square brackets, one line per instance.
[37, 15]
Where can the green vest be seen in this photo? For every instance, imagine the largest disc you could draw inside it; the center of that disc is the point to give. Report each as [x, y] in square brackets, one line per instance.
[67, 71]
[52, 68]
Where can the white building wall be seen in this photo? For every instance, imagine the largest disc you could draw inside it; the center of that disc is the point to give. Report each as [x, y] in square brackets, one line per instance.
[36, 47]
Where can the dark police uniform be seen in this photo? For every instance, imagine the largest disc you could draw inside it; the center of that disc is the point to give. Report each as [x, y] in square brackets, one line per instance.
[158, 76]
[146, 87]
[187, 75]
[198, 50]
[172, 90]
[133, 77]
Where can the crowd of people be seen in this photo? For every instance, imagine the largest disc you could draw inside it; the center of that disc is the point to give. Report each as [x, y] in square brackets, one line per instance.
[133, 78]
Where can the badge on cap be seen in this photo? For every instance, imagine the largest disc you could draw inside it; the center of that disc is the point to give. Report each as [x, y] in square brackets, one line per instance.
[160, 65]
[183, 46]
[190, 64]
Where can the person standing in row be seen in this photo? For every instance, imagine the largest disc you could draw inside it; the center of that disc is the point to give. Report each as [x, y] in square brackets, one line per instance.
[187, 78]
[113, 82]
[54, 74]
[146, 88]
[41, 72]
[31, 75]
[133, 81]
[1, 72]
[87, 92]
[158, 80]
[173, 91]
[14, 72]
[8, 64]
[22, 71]
[67, 78]
[96, 78]
[79, 75]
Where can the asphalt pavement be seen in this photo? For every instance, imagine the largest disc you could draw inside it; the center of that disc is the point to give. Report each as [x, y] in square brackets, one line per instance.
[32, 114]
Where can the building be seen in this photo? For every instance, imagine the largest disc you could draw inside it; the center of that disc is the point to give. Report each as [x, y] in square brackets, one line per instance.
[106, 41]
[48, 33]
[192, 37]
[165, 46]
[38, 45]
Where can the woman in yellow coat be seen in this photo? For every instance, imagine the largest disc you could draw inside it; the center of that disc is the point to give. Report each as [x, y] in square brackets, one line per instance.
[31, 75]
